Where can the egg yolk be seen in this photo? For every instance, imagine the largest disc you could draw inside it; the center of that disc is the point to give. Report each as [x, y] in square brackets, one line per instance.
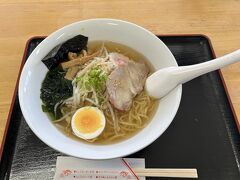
[87, 121]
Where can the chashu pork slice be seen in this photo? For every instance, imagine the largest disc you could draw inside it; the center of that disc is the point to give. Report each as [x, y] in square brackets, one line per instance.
[125, 81]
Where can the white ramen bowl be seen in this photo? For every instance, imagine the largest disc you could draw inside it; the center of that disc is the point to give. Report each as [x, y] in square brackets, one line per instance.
[118, 31]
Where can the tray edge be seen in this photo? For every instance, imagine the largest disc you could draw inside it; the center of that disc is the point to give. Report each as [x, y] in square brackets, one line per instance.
[225, 87]
[14, 94]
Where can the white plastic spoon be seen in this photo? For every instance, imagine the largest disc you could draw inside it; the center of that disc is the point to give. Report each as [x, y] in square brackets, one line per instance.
[164, 80]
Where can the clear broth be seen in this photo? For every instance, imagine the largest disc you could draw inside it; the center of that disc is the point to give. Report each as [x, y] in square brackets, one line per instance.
[133, 55]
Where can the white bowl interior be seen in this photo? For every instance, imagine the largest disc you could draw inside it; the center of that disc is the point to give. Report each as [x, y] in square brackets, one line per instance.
[118, 31]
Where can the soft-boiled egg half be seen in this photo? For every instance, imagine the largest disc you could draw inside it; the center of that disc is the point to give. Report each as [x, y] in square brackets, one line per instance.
[88, 122]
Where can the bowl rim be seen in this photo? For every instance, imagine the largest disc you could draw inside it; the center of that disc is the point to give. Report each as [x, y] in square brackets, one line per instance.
[107, 156]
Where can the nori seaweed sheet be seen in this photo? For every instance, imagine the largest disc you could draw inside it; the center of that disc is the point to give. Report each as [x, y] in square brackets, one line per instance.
[60, 52]
[55, 88]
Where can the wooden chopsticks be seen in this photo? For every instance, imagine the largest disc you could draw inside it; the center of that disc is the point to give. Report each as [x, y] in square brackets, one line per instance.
[162, 172]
